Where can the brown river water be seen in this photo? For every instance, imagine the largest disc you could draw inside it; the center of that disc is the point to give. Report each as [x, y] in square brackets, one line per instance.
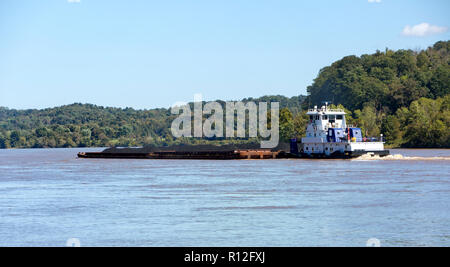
[49, 195]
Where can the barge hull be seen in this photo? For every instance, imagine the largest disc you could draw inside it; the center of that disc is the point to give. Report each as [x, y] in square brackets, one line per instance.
[194, 155]
[345, 155]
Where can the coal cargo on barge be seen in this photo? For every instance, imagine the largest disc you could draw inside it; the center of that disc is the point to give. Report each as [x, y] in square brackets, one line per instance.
[199, 152]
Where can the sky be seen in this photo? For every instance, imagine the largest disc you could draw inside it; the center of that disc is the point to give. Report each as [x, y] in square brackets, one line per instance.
[150, 54]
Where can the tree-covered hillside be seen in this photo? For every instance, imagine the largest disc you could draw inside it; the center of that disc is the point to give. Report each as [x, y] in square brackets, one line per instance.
[402, 94]
[83, 125]
[386, 80]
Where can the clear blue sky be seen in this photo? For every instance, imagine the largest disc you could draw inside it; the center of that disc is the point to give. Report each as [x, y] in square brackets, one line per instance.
[147, 54]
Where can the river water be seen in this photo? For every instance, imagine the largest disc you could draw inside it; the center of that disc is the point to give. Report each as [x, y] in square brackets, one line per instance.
[48, 196]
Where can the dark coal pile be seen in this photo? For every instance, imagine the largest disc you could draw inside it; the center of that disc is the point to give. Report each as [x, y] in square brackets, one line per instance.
[194, 148]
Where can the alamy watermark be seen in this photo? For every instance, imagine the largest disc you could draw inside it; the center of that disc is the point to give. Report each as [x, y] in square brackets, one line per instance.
[73, 242]
[373, 242]
[213, 125]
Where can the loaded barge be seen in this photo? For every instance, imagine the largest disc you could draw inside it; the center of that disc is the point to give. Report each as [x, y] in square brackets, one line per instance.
[328, 136]
[221, 155]
[200, 152]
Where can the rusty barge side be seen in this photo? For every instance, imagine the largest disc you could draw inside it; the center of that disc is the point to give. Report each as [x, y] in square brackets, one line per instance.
[201, 155]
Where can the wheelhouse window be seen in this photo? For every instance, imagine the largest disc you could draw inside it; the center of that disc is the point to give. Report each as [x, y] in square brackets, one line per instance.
[339, 117]
[332, 118]
[325, 117]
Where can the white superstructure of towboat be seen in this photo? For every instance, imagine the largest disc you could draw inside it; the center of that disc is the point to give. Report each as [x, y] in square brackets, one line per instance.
[329, 136]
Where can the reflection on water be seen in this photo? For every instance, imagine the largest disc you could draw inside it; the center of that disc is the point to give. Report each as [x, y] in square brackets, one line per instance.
[49, 196]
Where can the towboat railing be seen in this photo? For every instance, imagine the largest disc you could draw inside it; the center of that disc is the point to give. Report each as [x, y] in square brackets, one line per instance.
[372, 139]
[327, 110]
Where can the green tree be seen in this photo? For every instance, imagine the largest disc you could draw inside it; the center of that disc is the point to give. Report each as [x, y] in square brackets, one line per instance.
[367, 120]
[15, 139]
[4, 143]
[391, 129]
[428, 124]
[440, 82]
[300, 122]
[286, 124]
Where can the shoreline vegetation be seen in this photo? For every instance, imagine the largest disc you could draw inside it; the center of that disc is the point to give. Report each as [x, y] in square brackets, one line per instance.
[403, 94]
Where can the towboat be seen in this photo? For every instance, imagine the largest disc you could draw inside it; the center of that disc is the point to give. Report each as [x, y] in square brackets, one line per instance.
[329, 136]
